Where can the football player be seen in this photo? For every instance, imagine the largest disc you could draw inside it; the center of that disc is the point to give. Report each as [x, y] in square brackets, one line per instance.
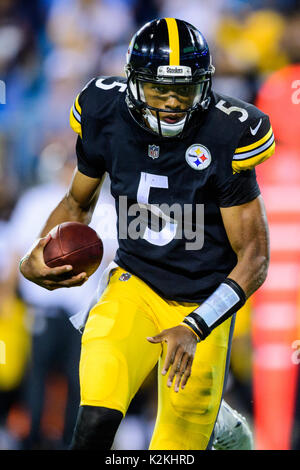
[185, 156]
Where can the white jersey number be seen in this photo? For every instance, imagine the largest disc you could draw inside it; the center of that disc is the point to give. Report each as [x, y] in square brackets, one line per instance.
[168, 232]
[231, 109]
[99, 83]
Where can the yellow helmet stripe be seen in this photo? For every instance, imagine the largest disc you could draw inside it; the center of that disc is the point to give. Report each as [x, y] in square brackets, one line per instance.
[173, 41]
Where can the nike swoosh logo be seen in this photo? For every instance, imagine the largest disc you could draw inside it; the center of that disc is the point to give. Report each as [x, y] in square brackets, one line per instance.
[254, 131]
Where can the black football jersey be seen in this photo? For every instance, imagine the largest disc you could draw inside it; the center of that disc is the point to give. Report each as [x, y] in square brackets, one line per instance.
[169, 191]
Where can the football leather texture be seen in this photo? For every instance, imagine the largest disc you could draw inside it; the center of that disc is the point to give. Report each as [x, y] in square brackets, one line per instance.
[76, 244]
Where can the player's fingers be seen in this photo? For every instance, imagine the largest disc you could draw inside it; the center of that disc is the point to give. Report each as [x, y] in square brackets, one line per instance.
[56, 273]
[169, 360]
[41, 243]
[180, 371]
[71, 282]
[36, 252]
[74, 280]
[187, 372]
[175, 366]
[55, 286]
[157, 338]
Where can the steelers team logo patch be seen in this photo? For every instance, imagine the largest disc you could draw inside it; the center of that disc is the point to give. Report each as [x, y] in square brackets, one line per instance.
[198, 157]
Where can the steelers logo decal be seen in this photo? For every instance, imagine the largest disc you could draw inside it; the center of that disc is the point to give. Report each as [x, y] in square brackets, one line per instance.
[130, 47]
[198, 157]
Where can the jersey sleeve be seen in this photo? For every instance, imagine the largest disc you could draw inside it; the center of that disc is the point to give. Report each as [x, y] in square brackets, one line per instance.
[89, 162]
[238, 189]
[89, 167]
[256, 145]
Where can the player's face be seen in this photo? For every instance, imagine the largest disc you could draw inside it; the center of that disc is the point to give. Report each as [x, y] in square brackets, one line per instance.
[169, 97]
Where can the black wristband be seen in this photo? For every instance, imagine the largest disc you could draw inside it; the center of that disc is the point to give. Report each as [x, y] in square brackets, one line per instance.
[203, 328]
[193, 325]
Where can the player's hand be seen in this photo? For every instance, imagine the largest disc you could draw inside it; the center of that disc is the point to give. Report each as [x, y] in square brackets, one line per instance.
[35, 270]
[181, 348]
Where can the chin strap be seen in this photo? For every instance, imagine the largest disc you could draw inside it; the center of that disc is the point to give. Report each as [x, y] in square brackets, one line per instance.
[166, 129]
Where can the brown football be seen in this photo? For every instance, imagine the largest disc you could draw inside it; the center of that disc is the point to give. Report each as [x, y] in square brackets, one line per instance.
[76, 244]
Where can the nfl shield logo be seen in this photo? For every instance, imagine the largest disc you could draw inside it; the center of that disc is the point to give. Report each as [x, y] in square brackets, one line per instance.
[125, 277]
[153, 151]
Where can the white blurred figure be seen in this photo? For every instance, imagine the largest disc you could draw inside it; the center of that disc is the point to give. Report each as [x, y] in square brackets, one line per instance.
[54, 340]
[33, 208]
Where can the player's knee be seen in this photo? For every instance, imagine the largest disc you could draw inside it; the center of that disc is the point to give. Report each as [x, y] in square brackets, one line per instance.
[95, 428]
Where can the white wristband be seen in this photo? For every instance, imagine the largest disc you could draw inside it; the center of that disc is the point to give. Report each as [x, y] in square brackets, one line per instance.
[218, 304]
[227, 299]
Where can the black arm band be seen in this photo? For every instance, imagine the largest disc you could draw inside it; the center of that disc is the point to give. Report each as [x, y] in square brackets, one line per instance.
[227, 299]
[193, 325]
[202, 328]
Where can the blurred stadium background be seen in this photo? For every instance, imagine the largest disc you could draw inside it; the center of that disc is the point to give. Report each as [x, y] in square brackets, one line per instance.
[49, 49]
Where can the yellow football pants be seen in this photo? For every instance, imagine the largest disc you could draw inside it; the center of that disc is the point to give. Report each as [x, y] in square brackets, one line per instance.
[116, 358]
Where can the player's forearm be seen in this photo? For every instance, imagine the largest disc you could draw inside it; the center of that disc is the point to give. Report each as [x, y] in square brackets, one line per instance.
[251, 269]
[247, 276]
[68, 210]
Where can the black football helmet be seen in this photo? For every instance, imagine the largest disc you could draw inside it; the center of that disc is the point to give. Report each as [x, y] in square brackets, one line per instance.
[169, 53]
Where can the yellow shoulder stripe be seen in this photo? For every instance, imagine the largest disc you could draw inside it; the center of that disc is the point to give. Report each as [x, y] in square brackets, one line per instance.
[173, 41]
[77, 105]
[256, 144]
[250, 163]
[75, 117]
[75, 125]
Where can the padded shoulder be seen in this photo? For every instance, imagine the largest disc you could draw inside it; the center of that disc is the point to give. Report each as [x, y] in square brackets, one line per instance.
[256, 145]
[95, 100]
